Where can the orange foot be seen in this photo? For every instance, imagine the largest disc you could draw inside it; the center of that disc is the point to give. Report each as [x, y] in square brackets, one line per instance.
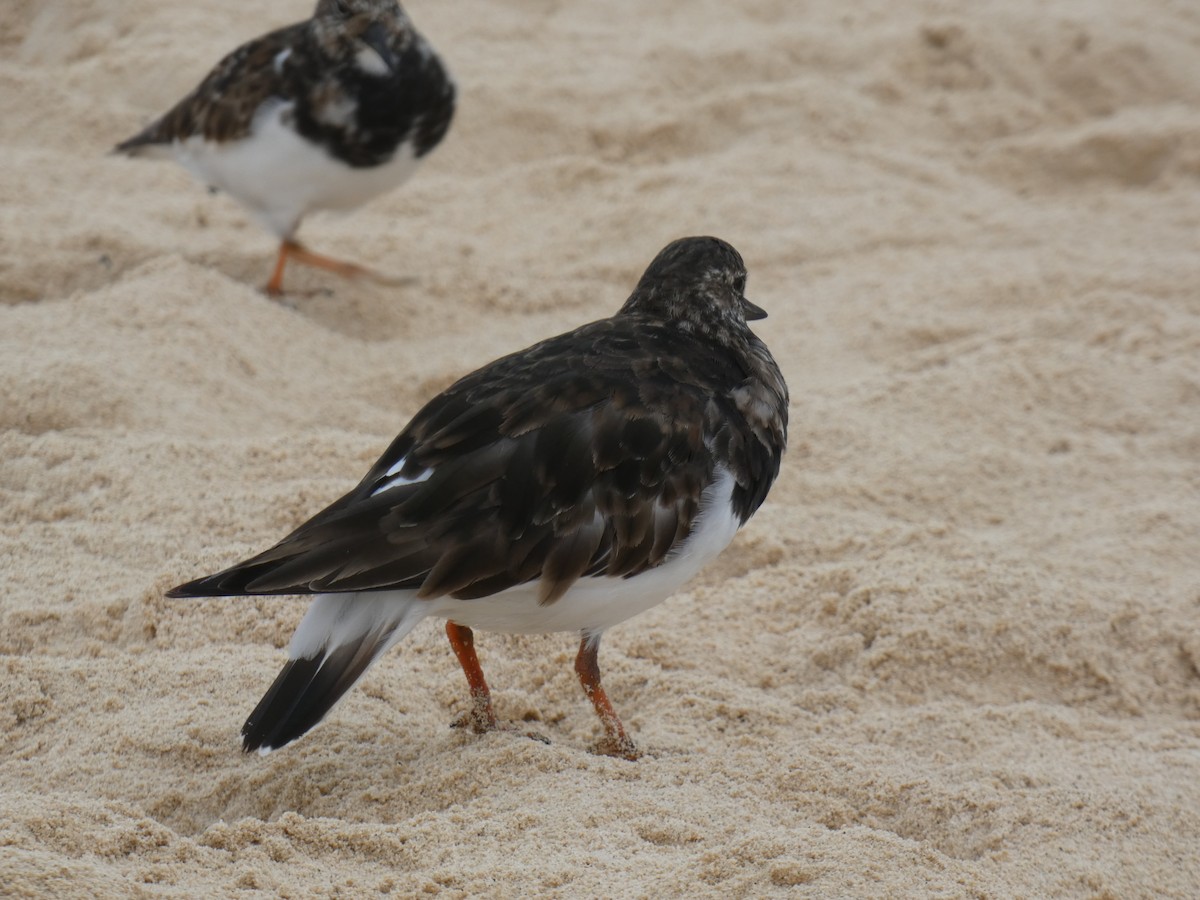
[480, 718]
[301, 254]
[615, 741]
[481, 724]
[618, 747]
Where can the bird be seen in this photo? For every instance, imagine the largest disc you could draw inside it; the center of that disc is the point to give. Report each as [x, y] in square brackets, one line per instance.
[563, 488]
[323, 114]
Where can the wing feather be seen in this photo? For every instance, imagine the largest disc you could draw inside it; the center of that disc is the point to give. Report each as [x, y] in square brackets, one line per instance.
[221, 108]
[570, 460]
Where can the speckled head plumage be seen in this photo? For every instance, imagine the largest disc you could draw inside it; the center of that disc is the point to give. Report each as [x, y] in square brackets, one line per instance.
[352, 29]
[698, 283]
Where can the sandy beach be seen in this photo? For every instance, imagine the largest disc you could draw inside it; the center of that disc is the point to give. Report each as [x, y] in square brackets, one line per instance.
[957, 652]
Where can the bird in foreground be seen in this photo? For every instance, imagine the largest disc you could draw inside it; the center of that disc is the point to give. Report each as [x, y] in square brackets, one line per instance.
[566, 487]
[324, 114]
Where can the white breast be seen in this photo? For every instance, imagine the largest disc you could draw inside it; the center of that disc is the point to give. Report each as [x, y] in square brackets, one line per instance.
[279, 176]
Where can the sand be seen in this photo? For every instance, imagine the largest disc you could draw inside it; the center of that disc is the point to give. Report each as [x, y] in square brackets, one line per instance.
[956, 654]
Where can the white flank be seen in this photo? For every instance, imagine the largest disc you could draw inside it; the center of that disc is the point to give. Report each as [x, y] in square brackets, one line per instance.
[594, 604]
[280, 177]
[590, 606]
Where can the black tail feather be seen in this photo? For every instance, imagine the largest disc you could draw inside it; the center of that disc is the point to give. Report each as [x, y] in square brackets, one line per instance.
[305, 691]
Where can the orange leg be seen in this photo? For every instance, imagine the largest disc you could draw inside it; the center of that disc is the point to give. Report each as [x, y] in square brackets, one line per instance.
[289, 249]
[481, 718]
[587, 666]
[275, 286]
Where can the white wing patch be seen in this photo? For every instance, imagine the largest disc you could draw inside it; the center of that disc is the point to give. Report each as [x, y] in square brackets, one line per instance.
[393, 479]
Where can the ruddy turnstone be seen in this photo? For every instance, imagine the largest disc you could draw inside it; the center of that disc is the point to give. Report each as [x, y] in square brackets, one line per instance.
[323, 114]
[566, 487]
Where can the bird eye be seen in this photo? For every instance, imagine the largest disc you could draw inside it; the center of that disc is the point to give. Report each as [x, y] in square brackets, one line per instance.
[739, 284]
[342, 7]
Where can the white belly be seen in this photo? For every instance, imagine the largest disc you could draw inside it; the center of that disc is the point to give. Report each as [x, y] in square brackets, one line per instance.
[595, 604]
[591, 606]
[280, 177]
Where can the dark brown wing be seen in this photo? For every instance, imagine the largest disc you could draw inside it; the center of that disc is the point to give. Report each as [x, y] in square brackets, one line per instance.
[585, 455]
[222, 107]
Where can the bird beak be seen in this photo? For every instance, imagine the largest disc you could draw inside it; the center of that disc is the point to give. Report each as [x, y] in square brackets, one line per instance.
[376, 37]
[752, 311]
